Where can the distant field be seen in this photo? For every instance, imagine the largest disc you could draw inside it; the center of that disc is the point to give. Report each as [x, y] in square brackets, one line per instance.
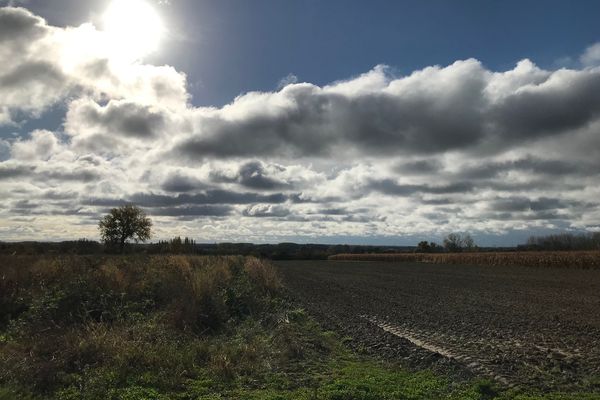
[560, 259]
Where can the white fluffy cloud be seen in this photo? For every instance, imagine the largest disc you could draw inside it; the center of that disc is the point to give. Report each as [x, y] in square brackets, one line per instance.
[457, 147]
[461, 107]
[46, 64]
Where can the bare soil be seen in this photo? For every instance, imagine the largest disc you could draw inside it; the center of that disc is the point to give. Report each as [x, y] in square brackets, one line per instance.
[524, 327]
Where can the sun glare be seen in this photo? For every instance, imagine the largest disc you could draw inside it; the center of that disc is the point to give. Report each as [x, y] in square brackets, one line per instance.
[134, 27]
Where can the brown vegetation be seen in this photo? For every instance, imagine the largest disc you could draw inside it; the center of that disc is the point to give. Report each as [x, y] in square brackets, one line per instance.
[122, 318]
[564, 259]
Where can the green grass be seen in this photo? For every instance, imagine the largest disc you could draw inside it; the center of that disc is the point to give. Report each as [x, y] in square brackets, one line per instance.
[186, 328]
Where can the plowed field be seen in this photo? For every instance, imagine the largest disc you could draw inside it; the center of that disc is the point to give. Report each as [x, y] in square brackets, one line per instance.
[533, 327]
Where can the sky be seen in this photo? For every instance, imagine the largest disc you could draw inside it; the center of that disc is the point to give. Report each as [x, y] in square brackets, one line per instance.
[309, 121]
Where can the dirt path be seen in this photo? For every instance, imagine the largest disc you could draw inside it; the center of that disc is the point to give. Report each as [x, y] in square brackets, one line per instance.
[518, 326]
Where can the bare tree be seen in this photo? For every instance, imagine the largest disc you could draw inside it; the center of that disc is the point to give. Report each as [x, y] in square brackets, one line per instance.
[123, 224]
[456, 242]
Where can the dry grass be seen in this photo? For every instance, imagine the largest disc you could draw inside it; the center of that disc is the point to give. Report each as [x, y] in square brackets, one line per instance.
[63, 315]
[559, 259]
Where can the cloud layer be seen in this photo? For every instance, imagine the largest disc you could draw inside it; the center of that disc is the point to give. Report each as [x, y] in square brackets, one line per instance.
[445, 148]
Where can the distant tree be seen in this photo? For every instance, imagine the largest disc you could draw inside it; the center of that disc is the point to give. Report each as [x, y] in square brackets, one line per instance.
[176, 245]
[456, 242]
[435, 248]
[467, 242]
[564, 241]
[423, 247]
[428, 247]
[123, 224]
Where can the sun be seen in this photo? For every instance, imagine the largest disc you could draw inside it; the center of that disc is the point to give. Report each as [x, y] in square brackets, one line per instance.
[134, 28]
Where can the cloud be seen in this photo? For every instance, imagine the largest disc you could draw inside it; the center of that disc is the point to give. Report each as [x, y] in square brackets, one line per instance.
[529, 165]
[266, 210]
[419, 167]
[119, 125]
[591, 56]
[460, 107]
[215, 196]
[253, 175]
[18, 26]
[10, 171]
[289, 79]
[525, 204]
[41, 146]
[193, 211]
[178, 182]
[48, 64]
[391, 187]
[456, 147]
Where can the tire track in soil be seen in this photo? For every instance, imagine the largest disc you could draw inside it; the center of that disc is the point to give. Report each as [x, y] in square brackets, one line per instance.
[527, 327]
[423, 340]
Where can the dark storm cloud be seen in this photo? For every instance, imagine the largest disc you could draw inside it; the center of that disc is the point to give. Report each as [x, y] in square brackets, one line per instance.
[251, 175]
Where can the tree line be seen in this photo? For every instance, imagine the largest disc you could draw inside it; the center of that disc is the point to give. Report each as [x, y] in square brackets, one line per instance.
[127, 224]
[563, 242]
[453, 243]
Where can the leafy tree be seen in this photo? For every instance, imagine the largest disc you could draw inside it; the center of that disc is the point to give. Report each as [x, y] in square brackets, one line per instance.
[123, 224]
